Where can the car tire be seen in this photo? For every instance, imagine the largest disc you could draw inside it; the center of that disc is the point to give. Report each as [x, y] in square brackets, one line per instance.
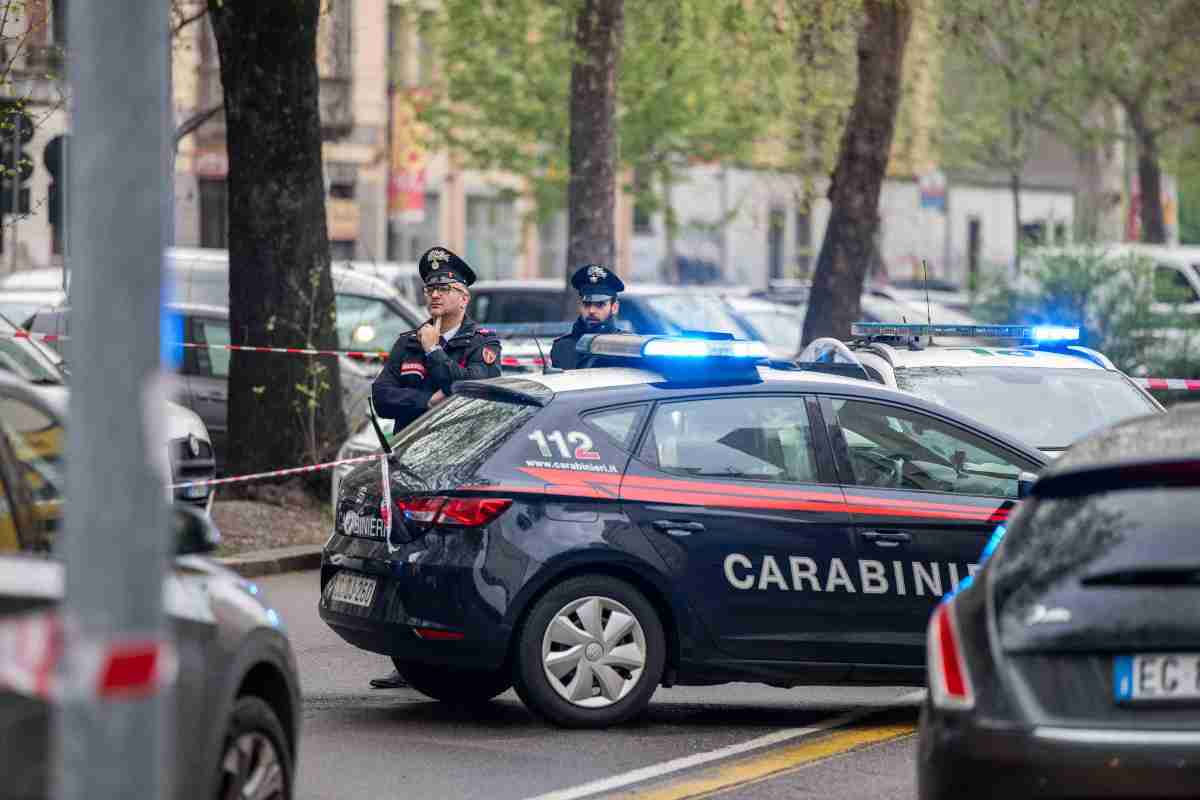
[621, 667]
[453, 685]
[255, 752]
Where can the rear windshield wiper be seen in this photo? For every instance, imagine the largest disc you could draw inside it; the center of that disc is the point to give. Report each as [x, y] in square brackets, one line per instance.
[1185, 575]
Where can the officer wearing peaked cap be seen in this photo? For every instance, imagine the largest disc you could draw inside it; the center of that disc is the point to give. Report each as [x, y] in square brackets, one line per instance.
[424, 364]
[598, 287]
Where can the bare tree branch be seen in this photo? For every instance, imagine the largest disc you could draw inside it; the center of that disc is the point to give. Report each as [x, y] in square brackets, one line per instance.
[195, 121]
[183, 23]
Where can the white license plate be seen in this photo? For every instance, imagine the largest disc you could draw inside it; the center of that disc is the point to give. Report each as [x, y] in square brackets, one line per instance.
[354, 589]
[1162, 676]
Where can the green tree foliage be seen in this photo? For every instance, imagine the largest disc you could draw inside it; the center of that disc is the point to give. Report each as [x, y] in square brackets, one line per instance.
[1112, 298]
[699, 80]
[1145, 57]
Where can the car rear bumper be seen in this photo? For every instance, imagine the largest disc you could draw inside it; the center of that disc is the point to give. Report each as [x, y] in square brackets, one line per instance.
[960, 757]
[442, 613]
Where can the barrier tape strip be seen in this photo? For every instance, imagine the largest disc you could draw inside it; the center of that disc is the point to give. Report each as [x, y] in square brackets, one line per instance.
[278, 473]
[32, 646]
[300, 351]
[1169, 384]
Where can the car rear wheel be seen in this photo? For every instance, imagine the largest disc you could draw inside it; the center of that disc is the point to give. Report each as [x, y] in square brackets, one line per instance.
[255, 763]
[452, 685]
[590, 653]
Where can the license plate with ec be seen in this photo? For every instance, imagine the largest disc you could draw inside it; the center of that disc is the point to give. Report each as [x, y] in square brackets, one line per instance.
[1157, 677]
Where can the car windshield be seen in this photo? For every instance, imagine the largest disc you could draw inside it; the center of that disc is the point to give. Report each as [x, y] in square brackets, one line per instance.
[778, 327]
[368, 323]
[444, 447]
[694, 312]
[1046, 408]
[25, 358]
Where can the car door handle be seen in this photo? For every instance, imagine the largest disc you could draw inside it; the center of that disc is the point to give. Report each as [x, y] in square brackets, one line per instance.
[880, 539]
[676, 527]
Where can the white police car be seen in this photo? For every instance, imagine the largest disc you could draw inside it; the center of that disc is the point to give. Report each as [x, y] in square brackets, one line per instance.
[1033, 382]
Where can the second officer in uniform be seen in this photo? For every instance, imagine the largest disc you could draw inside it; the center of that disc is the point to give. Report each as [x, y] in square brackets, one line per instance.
[598, 287]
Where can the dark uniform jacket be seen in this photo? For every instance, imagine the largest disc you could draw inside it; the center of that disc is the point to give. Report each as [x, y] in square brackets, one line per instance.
[409, 378]
[563, 354]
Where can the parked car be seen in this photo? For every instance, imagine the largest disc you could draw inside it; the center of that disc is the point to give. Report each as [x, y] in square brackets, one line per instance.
[779, 326]
[20, 306]
[1069, 666]
[188, 452]
[404, 276]
[236, 701]
[370, 316]
[647, 308]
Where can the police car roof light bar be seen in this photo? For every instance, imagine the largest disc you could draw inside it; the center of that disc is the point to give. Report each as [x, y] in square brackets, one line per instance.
[678, 349]
[1024, 333]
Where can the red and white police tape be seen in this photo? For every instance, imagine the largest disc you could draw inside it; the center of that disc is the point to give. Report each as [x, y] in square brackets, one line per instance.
[278, 473]
[296, 351]
[1153, 384]
[31, 653]
[1169, 384]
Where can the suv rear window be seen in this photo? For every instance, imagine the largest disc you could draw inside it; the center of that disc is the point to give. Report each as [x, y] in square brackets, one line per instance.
[1126, 537]
[445, 447]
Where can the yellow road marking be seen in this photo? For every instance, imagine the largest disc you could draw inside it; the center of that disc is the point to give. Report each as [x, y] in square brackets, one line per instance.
[753, 769]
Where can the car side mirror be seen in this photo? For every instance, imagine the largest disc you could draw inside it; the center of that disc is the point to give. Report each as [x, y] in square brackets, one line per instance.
[1025, 483]
[195, 532]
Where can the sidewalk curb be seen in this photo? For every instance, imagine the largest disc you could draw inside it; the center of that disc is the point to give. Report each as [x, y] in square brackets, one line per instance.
[274, 561]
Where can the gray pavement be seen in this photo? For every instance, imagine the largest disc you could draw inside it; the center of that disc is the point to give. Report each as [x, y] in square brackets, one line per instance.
[359, 742]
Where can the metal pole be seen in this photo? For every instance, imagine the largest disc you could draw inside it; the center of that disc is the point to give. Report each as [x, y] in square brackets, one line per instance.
[115, 541]
[16, 190]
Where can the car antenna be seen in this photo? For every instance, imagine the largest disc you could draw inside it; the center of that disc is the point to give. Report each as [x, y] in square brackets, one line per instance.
[383, 442]
[928, 305]
[541, 353]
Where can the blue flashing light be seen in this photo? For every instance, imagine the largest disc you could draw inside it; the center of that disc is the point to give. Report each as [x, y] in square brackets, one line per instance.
[675, 348]
[1024, 333]
[992, 543]
[273, 618]
[1055, 333]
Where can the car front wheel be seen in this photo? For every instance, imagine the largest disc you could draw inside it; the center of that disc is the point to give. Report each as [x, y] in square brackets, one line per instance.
[590, 654]
[255, 763]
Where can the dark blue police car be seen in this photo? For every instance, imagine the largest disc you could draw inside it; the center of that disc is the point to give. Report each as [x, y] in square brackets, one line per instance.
[693, 517]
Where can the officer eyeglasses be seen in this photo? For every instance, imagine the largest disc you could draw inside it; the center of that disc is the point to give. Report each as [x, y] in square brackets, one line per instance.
[445, 288]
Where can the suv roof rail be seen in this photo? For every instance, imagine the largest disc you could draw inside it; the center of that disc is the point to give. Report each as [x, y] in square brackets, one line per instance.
[1079, 351]
[821, 355]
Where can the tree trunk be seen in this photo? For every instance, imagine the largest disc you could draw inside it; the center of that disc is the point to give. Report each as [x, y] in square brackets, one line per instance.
[1014, 183]
[1154, 226]
[592, 184]
[283, 410]
[669, 273]
[858, 177]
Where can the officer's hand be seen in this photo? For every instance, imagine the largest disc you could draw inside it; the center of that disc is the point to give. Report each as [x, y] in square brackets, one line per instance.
[428, 335]
[436, 398]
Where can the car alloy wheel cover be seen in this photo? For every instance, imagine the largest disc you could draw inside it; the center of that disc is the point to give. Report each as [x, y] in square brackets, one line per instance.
[594, 652]
[251, 769]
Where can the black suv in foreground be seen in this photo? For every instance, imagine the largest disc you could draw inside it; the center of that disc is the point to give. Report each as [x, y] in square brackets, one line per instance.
[1071, 665]
[588, 536]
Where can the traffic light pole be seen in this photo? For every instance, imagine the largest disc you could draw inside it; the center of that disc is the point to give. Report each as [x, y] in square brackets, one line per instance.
[16, 194]
[113, 744]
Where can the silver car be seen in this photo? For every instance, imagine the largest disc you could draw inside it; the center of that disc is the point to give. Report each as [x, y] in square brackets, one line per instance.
[236, 700]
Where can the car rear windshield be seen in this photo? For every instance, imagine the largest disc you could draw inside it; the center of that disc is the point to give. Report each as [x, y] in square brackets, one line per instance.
[444, 447]
[1123, 538]
[1047, 408]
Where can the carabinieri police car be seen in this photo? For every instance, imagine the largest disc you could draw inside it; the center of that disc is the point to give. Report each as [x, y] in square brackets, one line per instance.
[690, 518]
[1034, 382]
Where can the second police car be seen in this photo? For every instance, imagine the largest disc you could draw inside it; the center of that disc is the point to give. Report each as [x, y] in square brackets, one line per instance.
[1034, 382]
[692, 518]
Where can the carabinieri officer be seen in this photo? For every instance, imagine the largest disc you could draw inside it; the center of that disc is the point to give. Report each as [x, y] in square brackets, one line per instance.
[425, 363]
[598, 306]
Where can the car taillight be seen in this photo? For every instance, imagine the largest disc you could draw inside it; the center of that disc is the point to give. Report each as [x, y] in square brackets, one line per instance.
[468, 512]
[949, 681]
[420, 509]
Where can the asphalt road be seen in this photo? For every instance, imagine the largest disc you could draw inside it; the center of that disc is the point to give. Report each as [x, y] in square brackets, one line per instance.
[738, 740]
